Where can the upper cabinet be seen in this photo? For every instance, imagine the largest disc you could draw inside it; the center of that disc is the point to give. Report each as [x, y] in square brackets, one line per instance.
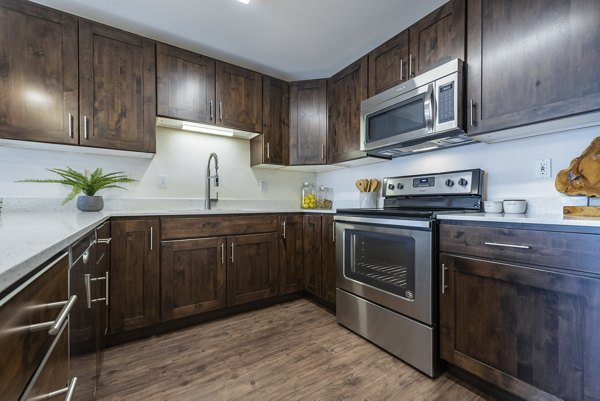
[437, 38]
[272, 147]
[308, 122]
[185, 84]
[347, 89]
[117, 91]
[531, 61]
[388, 64]
[38, 74]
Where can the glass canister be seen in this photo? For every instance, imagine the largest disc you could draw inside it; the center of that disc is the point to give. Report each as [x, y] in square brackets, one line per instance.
[309, 196]
[324, 198]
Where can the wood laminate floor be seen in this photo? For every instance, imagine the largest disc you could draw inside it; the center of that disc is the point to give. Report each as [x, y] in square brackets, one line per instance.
[291, 351]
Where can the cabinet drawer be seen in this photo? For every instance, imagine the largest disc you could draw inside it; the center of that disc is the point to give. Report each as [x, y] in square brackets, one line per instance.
[38, 301]
[214, 226]
[553, 249]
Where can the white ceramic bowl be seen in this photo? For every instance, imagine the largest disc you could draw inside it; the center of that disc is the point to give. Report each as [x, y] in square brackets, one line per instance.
[492, 206]
[514, 206]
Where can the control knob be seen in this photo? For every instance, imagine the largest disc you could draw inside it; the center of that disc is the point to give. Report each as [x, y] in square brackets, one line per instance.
[391, 187]
[400, 186]
[449, 183]
[462, 182]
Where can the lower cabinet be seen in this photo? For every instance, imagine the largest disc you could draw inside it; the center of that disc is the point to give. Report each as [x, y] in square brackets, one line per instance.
[134, 274]
[319, 256]
[291, 253]
[531, 330]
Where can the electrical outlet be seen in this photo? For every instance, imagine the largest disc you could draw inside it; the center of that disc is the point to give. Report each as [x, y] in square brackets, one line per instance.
[262, 186]
[543, 168]
[163, 181]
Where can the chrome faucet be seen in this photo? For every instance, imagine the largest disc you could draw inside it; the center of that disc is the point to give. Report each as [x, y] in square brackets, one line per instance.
[208, 177]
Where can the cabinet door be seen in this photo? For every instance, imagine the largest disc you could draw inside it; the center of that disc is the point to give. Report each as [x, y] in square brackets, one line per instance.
[291, 251]
[185, 84]
[388, 64]
[117, 89]
[272, 147]
[308, 122]
[312, 254]
[347, 89]
[38, 73]
[437, 38]
[239, 97]
[252, 268]
[102, 283]
[134, 274]
[328, 257]
[193, 277]
[532, 332]
[531, 61]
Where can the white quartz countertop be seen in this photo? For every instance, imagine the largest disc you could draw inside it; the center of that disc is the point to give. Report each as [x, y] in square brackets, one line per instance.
[553, 219]
[27, 240]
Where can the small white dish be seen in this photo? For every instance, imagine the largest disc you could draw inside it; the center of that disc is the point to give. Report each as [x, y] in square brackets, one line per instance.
[514, 206]
[492, 206]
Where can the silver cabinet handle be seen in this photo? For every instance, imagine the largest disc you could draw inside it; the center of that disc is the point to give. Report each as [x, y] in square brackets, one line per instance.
[210, 108]
[428, 109]
[151, 238]
[444, 286]
[107, 288]
[323, 152]
[221, 111]
[62, 316]
[104, 240]
[70, 125]
[85, 128]
[268, 151]
[283, 225]
[333, 231]
[222, 252]
[401, 70]
[507, 245]
[68, 391]
[409, 66]
[232, 252]
[472, 107]
[85, 256]
[87, 280]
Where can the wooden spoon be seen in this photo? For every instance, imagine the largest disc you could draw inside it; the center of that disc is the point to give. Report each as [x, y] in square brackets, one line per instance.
[361, 185]
[373, 184]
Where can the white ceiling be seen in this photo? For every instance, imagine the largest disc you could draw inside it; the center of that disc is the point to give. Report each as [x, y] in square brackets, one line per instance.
[289, 39]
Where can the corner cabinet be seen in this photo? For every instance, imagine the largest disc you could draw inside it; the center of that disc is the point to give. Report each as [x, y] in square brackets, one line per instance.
[319, 256]
[531, 61]
[117, 91]
[291, 254]
[134, 274]
[38, 74]
[519, 308]
[308, 122]
[347, 89]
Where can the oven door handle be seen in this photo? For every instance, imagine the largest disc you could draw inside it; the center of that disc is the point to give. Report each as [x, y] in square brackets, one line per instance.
[428, 108]
[384, 222]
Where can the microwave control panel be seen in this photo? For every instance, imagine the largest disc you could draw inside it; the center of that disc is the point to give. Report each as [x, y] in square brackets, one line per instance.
[446, 102]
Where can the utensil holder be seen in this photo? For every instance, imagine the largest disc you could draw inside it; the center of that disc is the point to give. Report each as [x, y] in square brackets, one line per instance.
[367, 200]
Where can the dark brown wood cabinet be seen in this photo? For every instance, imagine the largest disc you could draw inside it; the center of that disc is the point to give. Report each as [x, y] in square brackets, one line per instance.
[308, 122]
[437, 38]
[388, 64]
[193, 276]
[134, 274]
[117, 90]
[291, 254]
[252, 268]
[239, 97]
[319, 256]
[38, 74]
[528, 328]
[272, 147]
[346, 89]
[185, 84]
[531, 61]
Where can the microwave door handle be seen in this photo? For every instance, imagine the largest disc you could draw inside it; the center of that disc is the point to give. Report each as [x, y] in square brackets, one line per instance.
[428, 109]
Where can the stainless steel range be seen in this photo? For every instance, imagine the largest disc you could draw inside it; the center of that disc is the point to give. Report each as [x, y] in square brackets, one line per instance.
[386, 258]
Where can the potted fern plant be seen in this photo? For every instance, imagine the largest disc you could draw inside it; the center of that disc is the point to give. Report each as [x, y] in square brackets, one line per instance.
[89, 185]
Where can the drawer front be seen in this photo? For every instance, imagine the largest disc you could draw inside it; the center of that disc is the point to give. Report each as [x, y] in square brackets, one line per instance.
[547, 248]
[214, 226]
[24, 348]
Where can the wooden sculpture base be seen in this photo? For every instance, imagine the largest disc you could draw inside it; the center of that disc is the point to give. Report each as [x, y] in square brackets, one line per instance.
[587, 211]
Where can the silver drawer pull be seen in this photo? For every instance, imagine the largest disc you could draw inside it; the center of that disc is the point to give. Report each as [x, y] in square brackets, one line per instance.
[62, 316]
[507, 245]
[68, 391]
[54, 326]
[87, 278]
[104, 240]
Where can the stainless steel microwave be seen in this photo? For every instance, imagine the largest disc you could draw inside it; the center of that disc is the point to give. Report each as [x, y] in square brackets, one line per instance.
[424, 113]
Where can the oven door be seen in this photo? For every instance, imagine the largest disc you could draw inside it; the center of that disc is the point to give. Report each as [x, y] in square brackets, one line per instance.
[388, 262]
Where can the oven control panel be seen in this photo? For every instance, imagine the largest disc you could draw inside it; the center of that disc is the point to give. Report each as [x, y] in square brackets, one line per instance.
[453, 183]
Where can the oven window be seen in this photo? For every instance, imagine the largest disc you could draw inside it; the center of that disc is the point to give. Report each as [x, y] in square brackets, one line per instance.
[382, 261]
[397, 119]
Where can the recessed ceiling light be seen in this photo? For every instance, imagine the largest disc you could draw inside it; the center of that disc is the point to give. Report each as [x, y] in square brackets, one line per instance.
[244, 1]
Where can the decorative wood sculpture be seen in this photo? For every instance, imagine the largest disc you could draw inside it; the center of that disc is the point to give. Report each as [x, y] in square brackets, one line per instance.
[582, 177]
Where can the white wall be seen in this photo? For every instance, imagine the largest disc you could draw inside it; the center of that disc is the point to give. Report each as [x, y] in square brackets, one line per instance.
[509, 165]
[180, 155]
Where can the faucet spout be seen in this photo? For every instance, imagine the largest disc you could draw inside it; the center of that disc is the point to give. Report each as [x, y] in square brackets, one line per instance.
[207, 200]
